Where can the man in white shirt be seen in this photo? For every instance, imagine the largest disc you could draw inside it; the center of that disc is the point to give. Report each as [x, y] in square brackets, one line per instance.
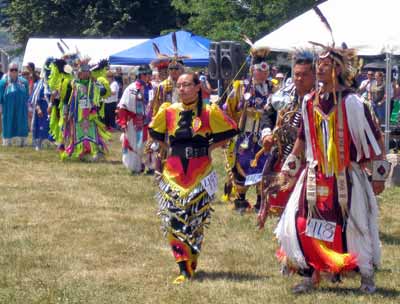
[111, 102]
[365, 85]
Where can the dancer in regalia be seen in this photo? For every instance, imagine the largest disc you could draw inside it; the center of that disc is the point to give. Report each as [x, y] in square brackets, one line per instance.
[40, 100]
[287, 104]
[330, 221]
[188, 181]
[132, 119]
[165, 92]
[245, 104]
[85, 136]
[152, 149]
[60, 78]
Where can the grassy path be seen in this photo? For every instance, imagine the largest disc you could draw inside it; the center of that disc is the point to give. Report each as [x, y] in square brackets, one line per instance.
[88, 233]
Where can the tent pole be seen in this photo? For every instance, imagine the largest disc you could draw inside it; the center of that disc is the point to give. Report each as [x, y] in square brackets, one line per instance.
[292, 68]
[388, 97]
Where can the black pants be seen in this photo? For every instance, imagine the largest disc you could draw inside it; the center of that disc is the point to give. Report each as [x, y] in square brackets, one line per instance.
[109, 114]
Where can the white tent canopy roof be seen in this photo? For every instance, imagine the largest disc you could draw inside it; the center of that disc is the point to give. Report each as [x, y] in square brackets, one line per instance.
[370, 26]
[38, 49]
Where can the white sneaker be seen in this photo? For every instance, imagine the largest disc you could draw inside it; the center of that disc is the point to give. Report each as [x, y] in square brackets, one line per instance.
[7, 142]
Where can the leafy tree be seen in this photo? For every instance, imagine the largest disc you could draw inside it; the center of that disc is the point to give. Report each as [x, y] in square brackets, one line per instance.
[228, 19]
[3, 5]
[90, 18]
[216, 19]
[129, 18]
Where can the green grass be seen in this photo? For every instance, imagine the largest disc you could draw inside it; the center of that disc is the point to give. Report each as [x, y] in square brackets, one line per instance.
[75, 232]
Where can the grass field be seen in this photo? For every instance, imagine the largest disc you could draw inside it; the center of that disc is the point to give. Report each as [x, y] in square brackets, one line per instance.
[75, 232]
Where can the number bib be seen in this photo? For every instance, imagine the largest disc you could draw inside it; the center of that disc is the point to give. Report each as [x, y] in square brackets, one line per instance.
[253, 179]
[84, 103]
[321, 230]
[210, 183]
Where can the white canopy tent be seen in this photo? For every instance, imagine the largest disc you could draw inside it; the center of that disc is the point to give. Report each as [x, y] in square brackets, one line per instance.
[369, 26]
[38, 49]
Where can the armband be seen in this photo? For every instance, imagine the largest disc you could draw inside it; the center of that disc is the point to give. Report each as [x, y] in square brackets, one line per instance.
[292, 165]
[380, 170]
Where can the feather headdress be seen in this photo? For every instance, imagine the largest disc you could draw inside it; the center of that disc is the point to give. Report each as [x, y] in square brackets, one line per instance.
[304, 55]
[46, 70]
[343, 56]
[100, 68]
[102, 64]
[72, 58]
[60, 64]
[174, 59]
[324, 22]
[83, 64]
[258, 54]
[162, 61]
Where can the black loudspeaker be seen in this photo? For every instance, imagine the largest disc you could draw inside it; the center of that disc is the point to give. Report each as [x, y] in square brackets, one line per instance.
[214, 61]
[232, 58]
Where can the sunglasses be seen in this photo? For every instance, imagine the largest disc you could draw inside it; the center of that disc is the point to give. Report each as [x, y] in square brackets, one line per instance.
[184, 85]
[173, 68]
[13, 70]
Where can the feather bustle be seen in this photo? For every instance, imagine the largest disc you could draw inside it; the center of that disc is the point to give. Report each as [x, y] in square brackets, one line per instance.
[247, 40]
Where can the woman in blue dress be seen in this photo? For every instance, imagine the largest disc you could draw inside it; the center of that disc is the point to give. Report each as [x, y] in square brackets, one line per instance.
[14, 101]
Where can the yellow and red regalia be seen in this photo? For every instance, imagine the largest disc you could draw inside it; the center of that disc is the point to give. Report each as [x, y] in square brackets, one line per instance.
[185, 186]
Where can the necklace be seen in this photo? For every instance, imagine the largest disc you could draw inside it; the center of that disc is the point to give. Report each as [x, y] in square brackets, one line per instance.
[189, 106]
[262, 88]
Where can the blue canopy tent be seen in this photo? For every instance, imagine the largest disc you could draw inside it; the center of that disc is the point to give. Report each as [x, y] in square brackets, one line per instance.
[188, 44]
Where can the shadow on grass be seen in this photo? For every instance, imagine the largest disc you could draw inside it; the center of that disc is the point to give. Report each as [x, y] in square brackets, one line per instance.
[228, 276]
[112, 162]
[384, 292]
[389, 239]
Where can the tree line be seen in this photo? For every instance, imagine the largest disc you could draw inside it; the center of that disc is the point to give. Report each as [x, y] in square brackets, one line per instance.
[215, 19]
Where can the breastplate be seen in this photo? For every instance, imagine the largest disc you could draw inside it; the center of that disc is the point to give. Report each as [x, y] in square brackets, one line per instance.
[254, 112]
